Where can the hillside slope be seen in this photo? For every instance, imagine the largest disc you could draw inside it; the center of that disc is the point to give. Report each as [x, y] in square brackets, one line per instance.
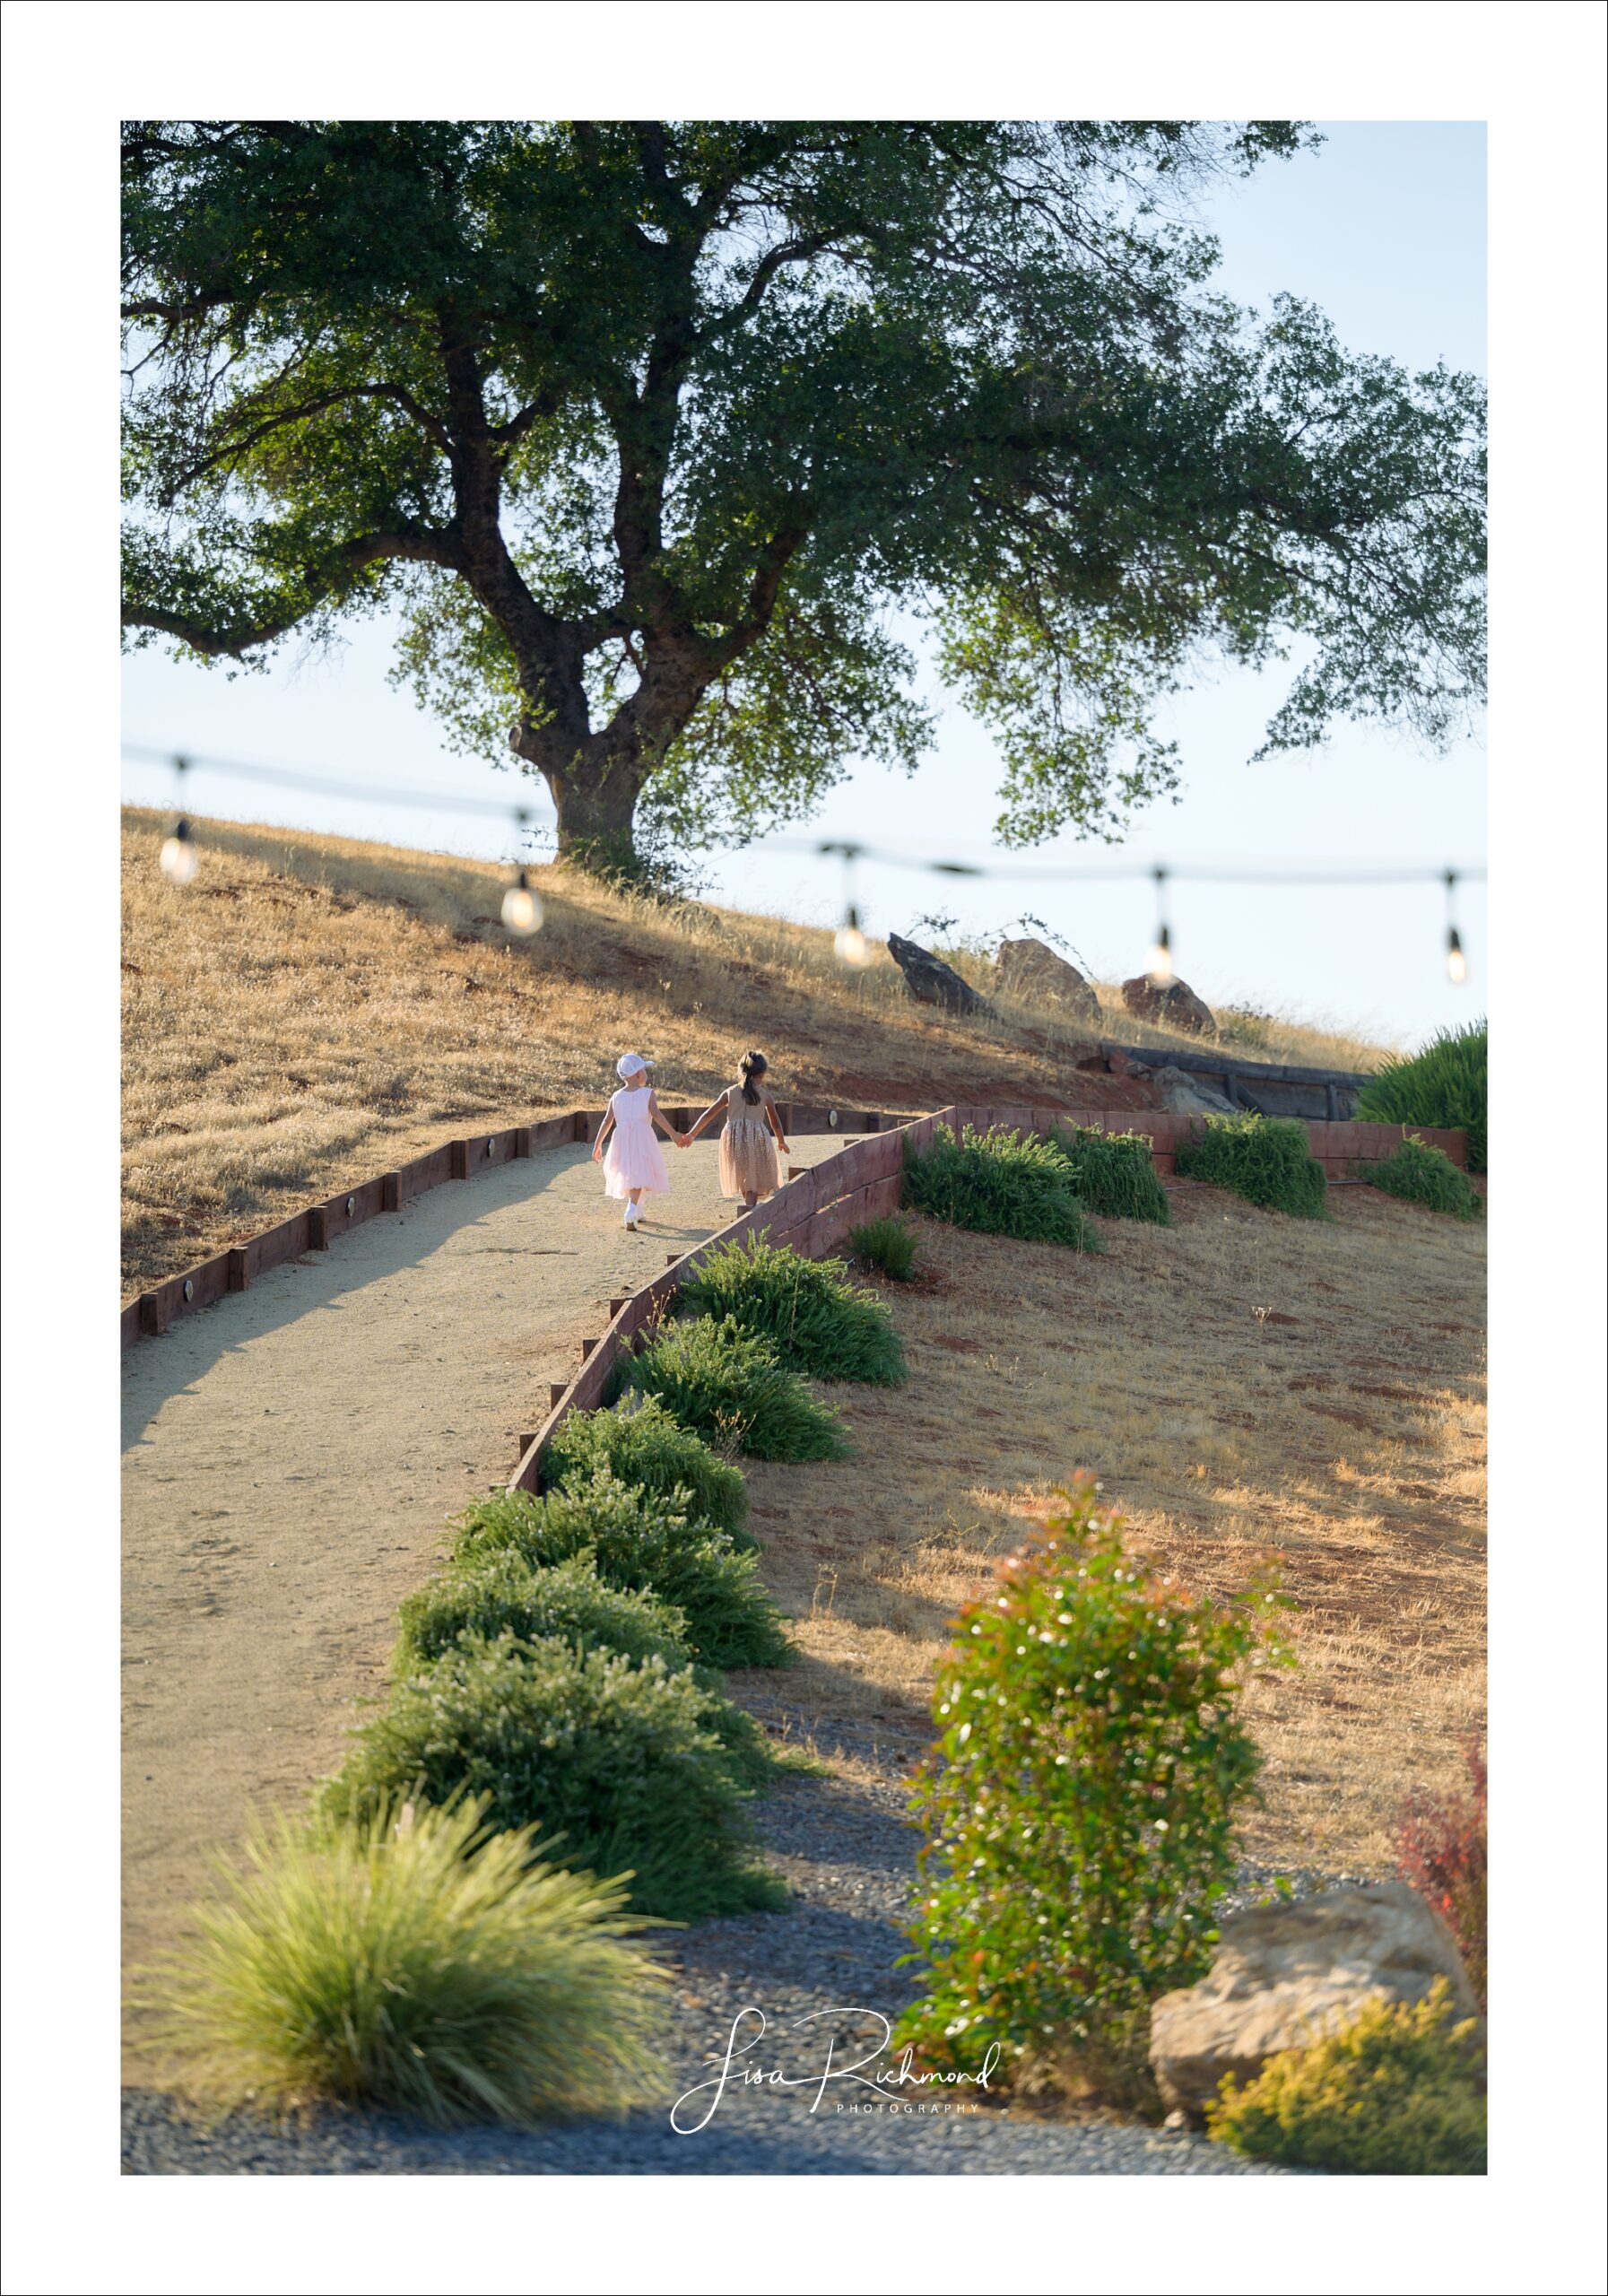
[313, 1009]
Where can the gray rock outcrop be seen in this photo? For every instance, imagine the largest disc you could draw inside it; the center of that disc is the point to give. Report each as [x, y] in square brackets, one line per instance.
[932, 982]
[1029, 968]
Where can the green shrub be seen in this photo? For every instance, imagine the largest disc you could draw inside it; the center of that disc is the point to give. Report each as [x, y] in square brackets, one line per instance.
[1002, 1183]
[1442, 1086]
[1080, 1807]
[643, 1445]
[818, 1319]
[497, 1592]
[639, 1543]
[887, 1244]
[415, 1960]
[732, 1388]
[619, 1768]
[1268, 1160]
[1421, 1174]
[1113, 1174]
[1399, 2093]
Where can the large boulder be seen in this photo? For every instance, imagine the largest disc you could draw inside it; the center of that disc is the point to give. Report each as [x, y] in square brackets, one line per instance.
[932, 982]
[1174, 1005]
[1189, 1095]
[1288, 1974]
[1028, 969]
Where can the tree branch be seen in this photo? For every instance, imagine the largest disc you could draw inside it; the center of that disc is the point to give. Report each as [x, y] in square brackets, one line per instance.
[324, 581]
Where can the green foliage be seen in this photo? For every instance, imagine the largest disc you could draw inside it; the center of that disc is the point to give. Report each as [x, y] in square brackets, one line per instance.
[497, 1591]
[1080, 1808]
[729, 1385]
[887, 1244]
[619, 1768]
[1268, 1160]
[1399, 2093]
[840, 364]
[1113, 1174]
[1002, 1182]
[643, 1445]
[1421, 1174]
[1443, 1086]
[415, 1960]
[819, 1321]
[646, 1546]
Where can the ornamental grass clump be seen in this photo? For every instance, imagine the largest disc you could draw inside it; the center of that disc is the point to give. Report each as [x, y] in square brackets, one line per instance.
[646, 1546]
[644, 1446]
[1420, 1173]
[818, 1320]
[731, 1387]
[1080, 1807]
[1001, 1183]
[414, 1959]
[1268, 1160]
[1113, 1174]
[620, 1767]
[1400, 2092]
[885, 1244]
[1443, 1086]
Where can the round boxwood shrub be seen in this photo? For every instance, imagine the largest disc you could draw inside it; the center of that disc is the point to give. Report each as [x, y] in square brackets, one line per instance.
[494, 1591]
[1401, 2092]
[644, 1445]
[1002, 1183]
[1266, 1160]
[1421, 1174]
[818, 1320]
[1080, 1807]
[639, 1543]
[731, 1387]
[1113, 1174]
[616, 1767]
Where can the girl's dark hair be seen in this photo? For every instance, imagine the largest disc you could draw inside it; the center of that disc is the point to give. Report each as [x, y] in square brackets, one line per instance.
[751, 1064]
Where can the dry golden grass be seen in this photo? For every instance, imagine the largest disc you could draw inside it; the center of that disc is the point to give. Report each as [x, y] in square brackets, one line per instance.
[1239, 1382]
[312, 1010]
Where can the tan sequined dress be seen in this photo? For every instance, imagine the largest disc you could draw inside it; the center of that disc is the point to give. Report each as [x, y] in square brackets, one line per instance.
[748, 1165]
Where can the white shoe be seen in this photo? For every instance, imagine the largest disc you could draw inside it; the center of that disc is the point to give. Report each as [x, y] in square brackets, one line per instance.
[632, 1214]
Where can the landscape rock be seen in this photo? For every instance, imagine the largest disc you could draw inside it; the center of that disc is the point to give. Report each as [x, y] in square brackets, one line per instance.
[1189, 1095]
[932, 982]
[1287, 1974]
[1029, 968]
[1174, 1006]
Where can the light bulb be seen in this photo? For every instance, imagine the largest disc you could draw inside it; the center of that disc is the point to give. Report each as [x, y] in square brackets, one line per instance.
[1158, 965]
[179, 859]
[1456, 963]
[521, 908]
[849, 945]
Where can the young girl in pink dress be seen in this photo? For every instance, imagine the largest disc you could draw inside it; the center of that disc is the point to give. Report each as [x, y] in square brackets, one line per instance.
[751, 1137]
[634, 1166]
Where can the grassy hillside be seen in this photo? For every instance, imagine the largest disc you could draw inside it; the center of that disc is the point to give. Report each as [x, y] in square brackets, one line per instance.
[313, 1009]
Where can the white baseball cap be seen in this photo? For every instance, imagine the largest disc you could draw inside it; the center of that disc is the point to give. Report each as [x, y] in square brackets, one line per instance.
[631, 1063]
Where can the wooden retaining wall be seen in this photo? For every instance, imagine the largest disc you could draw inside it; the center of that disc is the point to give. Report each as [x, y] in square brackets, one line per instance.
[1338, 1146]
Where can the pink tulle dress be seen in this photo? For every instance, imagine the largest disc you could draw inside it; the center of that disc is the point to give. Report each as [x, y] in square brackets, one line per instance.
[633, 1158]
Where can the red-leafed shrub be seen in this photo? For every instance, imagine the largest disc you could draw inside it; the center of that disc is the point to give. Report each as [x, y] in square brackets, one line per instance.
[1441, 1850]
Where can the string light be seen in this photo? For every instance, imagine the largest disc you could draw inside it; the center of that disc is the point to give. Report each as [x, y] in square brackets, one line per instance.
[849, 945]
[1456, 963]
[521, 906]
[1158, 965]
[179, 860]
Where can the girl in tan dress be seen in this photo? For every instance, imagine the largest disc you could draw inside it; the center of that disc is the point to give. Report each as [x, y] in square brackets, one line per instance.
[751, 1137]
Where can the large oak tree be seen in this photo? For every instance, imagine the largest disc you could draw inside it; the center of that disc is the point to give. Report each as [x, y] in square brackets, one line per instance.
[647, 427]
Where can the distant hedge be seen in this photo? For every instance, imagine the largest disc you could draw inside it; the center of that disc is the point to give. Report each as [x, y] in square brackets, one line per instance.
[1266, 1160]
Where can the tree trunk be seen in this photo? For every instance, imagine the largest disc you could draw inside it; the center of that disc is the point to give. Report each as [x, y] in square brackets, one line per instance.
[595, 793]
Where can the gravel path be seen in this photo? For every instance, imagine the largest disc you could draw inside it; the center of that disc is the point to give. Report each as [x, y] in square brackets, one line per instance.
[830, 1958]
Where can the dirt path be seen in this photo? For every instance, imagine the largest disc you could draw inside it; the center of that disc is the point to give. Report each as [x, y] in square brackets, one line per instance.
[289, 1458]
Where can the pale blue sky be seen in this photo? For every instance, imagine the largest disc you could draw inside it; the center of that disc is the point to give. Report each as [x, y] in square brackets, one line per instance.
[1384, 228]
